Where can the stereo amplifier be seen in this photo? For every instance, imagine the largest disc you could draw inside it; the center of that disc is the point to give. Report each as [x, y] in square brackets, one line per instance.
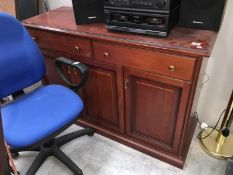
[153, 17]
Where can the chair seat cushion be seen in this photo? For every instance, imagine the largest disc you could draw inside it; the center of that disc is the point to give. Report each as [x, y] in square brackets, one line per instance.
[36, 115]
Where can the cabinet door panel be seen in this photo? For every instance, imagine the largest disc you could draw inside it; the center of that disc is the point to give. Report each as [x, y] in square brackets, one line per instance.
[102, 94]
[52, 76]
[153, 108]
[155, 103]
[103, 97]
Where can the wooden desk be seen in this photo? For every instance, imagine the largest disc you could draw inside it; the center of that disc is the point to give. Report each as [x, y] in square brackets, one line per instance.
[141, 90]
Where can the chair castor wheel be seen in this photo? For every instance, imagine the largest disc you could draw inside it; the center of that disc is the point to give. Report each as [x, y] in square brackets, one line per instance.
[15, 155]
[91, 132]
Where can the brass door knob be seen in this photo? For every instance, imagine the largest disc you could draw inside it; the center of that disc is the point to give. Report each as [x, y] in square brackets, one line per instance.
[171, 68]
[106, 55]
[77, 48]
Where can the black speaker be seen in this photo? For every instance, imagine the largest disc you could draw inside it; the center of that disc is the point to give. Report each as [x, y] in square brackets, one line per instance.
[26, 9]
[88, 11]
[201, 14]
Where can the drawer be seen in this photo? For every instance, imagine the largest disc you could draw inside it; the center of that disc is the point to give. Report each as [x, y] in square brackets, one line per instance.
[63, 43]
[154, 62]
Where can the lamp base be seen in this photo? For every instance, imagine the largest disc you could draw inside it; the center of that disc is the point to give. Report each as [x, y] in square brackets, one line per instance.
[216, 144]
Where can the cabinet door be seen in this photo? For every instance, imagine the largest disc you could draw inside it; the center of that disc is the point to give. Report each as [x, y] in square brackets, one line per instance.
[103, 96]
[52, 76]
[155, 108]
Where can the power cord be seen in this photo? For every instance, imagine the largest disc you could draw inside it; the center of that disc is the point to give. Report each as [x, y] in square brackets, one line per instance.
[197, 116]
[46, 6]
[205, 81]
[213, 128]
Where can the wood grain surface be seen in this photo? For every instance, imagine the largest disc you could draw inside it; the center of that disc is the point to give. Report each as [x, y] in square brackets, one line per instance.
[180, 41]
[7, 6]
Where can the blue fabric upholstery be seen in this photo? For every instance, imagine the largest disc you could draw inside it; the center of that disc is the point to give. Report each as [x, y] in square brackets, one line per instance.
[34, 116]
[21, 62]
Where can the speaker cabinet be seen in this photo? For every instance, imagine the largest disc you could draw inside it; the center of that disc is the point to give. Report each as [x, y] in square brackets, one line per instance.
[26, 9]
[88, 11]
[201, 14]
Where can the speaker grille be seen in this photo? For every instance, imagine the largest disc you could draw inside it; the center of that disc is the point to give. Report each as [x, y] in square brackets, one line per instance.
[88, 11]
[201, 14]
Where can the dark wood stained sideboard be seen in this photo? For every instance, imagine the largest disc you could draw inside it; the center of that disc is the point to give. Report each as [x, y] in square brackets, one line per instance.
[141, 90]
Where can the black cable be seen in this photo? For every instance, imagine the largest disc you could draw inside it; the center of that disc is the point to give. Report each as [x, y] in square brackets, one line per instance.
[197, 116]
[46, 6]
[213, 128]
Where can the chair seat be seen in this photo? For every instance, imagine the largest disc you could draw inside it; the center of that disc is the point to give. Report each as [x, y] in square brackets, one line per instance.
[36, 115]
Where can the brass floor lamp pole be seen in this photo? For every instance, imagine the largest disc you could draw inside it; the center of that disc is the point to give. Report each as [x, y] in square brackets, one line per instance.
[219, 143]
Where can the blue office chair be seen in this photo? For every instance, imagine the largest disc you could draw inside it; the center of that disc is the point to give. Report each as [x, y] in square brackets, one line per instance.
[31, 121]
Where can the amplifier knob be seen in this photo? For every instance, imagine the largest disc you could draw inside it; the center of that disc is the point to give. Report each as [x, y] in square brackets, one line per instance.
[161, 3]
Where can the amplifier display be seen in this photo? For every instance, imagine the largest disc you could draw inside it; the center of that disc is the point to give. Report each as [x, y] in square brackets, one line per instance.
[143, 4]
[153, 17]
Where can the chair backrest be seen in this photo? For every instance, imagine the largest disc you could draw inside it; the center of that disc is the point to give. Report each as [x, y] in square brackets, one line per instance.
[21, 62]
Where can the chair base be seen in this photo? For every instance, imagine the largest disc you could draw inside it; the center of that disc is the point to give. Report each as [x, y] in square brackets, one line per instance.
[52, 148]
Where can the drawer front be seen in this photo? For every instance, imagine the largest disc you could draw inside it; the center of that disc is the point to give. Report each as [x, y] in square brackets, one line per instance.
[154, 62]
[63, 43]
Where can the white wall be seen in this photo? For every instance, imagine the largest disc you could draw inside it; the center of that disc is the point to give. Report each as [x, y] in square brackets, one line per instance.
[216, 92]
[52, 4]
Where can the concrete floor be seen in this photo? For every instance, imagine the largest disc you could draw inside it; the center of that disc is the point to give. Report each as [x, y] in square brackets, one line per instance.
[99, 155]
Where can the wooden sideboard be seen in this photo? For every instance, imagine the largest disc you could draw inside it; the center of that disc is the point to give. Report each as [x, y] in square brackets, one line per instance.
[141, 90]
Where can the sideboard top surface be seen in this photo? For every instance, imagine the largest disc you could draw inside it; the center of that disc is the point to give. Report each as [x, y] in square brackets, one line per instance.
[181, 41]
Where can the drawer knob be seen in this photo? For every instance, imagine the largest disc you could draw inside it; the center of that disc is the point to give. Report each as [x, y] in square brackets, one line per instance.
[171, 68]
[106, 54]
[77, 48]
